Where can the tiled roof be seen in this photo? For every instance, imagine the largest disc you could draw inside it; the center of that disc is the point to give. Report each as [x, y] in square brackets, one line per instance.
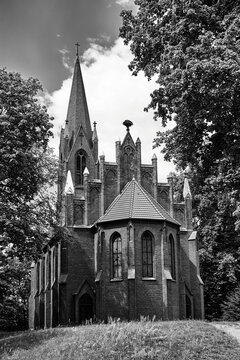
[134, 202]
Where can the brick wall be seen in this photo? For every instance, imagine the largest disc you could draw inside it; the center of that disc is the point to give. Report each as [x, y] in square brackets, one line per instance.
[133, 295]
[80, 267]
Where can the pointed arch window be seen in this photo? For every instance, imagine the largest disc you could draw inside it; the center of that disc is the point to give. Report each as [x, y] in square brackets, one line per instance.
[81, 162]
[171, 256]
[116, 251]
[147, 255]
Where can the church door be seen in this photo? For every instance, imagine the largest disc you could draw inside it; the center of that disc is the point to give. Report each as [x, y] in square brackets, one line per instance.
[85, 308]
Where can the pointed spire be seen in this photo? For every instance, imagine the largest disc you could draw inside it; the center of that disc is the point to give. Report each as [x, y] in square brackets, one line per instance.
[69, 189]
[86, 172]
[186, 189]
[78, 114]
[94, 136]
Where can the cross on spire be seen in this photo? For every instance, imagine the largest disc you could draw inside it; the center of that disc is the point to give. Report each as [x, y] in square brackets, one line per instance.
[77, 45]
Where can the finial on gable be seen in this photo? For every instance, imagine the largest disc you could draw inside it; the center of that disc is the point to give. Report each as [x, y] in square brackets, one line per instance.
[128, 124]
[86, 172]
[186, 189]
[69, 188]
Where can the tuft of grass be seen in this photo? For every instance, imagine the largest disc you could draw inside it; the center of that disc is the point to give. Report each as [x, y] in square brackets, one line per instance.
[180, 340]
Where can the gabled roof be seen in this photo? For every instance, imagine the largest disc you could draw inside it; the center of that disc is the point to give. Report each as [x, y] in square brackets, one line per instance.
[128, 141]
[134, 202]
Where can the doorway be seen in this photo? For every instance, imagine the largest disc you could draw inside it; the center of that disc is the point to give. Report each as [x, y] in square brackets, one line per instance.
[85, 308]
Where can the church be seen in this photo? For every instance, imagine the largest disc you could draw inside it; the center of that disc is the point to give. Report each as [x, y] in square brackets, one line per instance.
[127, 249]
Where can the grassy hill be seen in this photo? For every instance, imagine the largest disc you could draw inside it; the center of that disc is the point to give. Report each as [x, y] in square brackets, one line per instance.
[135, 340]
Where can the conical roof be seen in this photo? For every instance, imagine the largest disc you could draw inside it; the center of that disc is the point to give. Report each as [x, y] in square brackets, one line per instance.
[134, 202]
[78, 114]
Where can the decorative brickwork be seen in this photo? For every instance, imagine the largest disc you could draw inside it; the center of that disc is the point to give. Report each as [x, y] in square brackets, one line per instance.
[127, 249]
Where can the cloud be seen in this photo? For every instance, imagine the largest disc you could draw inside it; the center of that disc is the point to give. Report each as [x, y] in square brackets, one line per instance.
[113, 95]
[125, 2]
[66, 60]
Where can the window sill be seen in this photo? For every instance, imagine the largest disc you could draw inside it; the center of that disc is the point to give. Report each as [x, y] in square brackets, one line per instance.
[116, 280]
[149, 278]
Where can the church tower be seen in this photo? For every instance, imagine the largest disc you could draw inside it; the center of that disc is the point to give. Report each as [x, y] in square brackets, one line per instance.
[78, 155]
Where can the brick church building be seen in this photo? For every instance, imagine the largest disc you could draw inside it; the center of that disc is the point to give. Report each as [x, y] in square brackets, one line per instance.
[128, 250]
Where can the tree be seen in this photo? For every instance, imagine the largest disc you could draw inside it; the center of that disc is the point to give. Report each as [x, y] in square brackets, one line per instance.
[27, 210]
[193, 48]
[24, 133]
[231, 306]
[14, 293]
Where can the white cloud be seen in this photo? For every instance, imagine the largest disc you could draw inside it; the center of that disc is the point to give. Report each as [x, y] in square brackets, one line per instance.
[125, 2]
[66, 59]
[113, 95]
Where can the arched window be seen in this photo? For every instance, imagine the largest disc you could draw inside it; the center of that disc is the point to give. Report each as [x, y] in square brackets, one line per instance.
[80, 166]
[147, 254]
[116, 256]
[171, 256]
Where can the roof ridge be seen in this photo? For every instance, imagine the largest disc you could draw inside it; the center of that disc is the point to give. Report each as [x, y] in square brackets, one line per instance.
[155, 203]
[132, 196]
[148, 197]
[116, 199]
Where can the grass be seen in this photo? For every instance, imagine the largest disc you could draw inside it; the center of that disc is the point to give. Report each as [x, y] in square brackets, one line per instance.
[181, 340]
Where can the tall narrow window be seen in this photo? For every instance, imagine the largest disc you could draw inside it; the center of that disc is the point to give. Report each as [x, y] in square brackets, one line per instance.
[80, 166]
[116, 256]
[37, 277]
[147, 254]
[49, 268]
[171, 255]
[43, 274]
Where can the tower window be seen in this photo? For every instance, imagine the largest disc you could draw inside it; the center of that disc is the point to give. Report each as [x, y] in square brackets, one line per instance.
[147, 254]
[80, 166]
[116, 251]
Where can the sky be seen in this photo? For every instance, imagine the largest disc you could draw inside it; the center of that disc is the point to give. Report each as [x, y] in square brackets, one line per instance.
[37, 39]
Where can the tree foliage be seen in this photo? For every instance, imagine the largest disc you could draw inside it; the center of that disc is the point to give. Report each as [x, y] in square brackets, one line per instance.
[231, 306]
[193, 47]
[27, 210]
